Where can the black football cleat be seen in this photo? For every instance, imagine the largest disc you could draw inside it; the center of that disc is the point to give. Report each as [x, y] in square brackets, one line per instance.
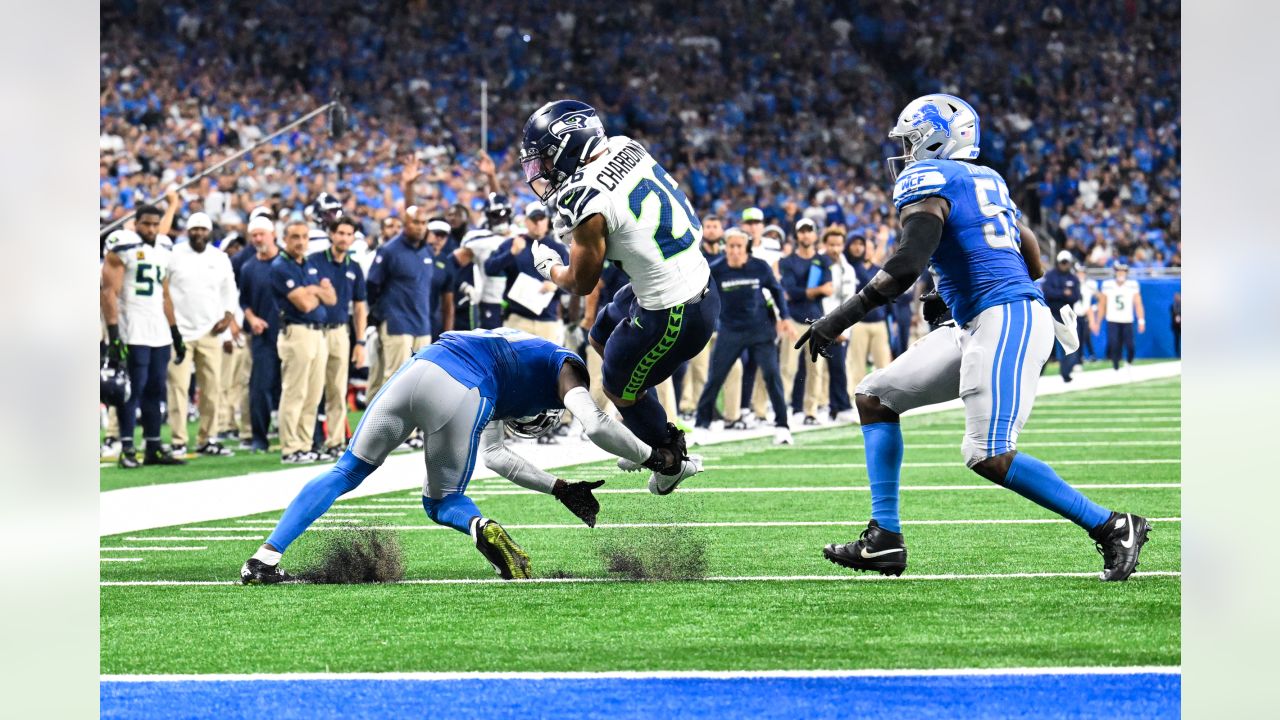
[1119, 540]
[128, 459]
[256, 572]
[876, 549]
[160, 457]
[508, 559]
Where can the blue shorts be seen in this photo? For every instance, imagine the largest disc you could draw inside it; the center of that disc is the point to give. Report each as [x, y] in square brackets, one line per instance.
[644, 347]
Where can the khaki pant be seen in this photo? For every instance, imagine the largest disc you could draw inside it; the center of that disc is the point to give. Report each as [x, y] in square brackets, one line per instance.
[552, 330]
[235, 390]
[205, 354]
[667, 398]
[815, 385]
[395, 351]
[302, 360]
[336, 366]
[695, 377]
[733, 394]
[113, 423]
[866, 338]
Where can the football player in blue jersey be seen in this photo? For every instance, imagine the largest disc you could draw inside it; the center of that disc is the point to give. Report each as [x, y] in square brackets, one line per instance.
[460, 391]
[957, 217]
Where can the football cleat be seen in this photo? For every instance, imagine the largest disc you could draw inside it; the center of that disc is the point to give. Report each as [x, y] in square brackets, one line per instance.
[128, 459]
[508, 559]
[739, 424]
[1119, 540]
[782, 436]
[178, 451]
[876, 549]
[660, 484]
[256, 572]
[215, 449]
[110, 447]
[160, 457]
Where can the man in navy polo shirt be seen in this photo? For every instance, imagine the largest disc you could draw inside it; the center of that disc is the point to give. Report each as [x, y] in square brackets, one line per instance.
[806, 277]
[399, 288]
[302, 295]
[347, 278]
[442, 278]
[513, 258]
[262, 323]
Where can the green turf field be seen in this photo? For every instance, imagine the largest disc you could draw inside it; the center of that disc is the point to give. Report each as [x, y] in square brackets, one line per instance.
[990, 581]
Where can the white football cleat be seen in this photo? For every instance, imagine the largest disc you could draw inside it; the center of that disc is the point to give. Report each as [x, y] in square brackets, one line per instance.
[665, 484]
[782, 436]
[626, 465]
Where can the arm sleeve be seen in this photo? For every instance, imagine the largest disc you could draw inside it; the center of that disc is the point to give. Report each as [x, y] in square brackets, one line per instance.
[603, 430]
[500, 459]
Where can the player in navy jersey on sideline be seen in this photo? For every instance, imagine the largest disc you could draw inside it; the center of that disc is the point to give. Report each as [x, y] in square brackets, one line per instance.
[460, 391]
[958, 216]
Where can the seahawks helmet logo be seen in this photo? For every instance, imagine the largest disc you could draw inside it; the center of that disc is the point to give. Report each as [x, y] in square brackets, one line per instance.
[576, 120]
[929, 114]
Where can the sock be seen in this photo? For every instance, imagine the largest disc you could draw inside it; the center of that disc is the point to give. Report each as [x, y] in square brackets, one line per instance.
[151, 445]
[270, 557]
[883, 444]
[1037, 482]
[454, 510]
[317, 497]
[647, 419]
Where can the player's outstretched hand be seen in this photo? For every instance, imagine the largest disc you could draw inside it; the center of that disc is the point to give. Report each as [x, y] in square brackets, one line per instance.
[578, 498]
[544, 258]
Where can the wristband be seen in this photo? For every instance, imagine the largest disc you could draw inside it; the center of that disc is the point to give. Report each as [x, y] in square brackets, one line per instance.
[360, 342]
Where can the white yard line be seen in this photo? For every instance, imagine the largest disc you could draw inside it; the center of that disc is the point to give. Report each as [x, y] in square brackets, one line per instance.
[1028, 446]
[113, 559]
[718, 578]
[154, 549]
[953, 464]
[656, 674]
[187, 538]
[156, 506]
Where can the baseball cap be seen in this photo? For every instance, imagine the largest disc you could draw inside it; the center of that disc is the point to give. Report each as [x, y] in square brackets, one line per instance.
[806, 223]
[1065, 256]
[261, 222]
[534, 210]
[199, 220]
[260, 211]
[439, 226]
[752, 214]
[1120, 265]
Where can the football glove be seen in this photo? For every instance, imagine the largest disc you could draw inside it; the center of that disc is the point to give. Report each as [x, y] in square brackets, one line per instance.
[470, 294]
[117, 350]
[1065, 331]
[578, 498]
[179, 347]
[544, 258]
[934, 308]
[827, 328]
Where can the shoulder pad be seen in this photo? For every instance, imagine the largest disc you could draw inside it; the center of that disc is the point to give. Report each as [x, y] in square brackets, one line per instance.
[921, 180]
[577, 203]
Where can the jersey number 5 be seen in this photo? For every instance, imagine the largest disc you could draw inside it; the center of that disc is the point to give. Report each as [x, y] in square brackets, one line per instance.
[994, 202]
[669, 245]
[144, 285]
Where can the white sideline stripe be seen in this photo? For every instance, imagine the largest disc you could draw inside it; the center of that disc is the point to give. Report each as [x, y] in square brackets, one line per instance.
[954, 445]
[717, 578]
[813, 488]
[154, 549]
[737, 524]
[819, 466]
[1135, 414]
[658, 674]
[359, 514]
[188, 538]
[119, 559]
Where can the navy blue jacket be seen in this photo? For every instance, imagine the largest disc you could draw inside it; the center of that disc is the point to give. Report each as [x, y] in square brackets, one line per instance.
[256, 294]
[1060, 288]
[502, 262]
[742, 306]
[798, 275]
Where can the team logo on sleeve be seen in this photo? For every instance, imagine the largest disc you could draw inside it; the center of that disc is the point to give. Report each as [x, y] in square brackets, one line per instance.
[574, 121]
[929, 114]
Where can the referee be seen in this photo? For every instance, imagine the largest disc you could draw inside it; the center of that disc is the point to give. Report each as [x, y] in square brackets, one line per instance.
[347, 277]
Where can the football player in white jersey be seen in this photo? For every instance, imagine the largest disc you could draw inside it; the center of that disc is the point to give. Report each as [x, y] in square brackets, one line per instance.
[618, 203]
[1119, 300]
[485, 291]
[142, 332]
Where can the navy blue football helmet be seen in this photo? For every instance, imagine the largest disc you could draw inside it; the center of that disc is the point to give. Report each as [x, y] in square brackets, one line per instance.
[113, 386]
[558, 140]
[497, 211]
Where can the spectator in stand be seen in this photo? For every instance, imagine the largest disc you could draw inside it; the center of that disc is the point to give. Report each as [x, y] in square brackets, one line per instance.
[1119, 301]
[303, 296]
[806, 280]
[205, 298]
[262, 324]
[844, 285]
[514, 260]
[399, 290]
[345, 318]
[871, 334]
[1062, 288]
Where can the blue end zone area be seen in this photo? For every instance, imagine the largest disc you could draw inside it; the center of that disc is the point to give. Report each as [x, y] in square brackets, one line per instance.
[972, 697]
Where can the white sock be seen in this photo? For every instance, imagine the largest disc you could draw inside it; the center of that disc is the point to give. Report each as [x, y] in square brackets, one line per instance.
[268, 557]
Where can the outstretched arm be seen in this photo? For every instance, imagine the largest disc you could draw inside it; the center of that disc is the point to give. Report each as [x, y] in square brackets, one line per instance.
[500, 459]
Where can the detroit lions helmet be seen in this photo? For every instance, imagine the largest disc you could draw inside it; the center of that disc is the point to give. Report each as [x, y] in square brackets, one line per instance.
[935, 126]
[559, 138]
[533, 426]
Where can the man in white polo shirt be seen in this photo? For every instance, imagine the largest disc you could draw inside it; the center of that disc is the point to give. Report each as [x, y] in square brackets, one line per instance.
[205, 298]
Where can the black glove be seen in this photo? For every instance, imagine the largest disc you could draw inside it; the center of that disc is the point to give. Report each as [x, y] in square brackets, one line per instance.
[179, 347]
[578, 498]
[935, 310]
[117, 351]
[822, 333]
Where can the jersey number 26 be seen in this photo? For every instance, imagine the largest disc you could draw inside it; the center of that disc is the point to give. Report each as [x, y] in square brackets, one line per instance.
[669, 245]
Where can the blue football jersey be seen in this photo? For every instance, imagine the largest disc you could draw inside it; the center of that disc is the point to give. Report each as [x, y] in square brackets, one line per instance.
[979, 262]
[517, 371]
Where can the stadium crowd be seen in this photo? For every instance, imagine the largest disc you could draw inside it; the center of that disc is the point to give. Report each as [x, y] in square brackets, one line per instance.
[778, 117]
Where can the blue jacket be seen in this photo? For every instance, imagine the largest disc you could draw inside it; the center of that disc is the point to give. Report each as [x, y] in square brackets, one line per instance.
[502, 262]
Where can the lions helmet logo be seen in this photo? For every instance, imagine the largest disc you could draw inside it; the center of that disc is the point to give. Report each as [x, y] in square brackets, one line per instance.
[929, 114]
[576, 120]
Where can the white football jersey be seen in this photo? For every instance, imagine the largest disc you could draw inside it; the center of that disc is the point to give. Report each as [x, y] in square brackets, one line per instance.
[651, 229]
[1119, 300]
[482, 243]
[142, 320]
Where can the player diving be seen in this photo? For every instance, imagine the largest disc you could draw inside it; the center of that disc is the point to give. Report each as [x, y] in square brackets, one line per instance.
[618, 203]
[460, 392]
[957, 218]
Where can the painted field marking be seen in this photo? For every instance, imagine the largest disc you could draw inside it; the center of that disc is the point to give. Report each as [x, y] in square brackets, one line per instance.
[188, 538]
[819, 466]
[955, 445]
[657, 674]
[119, 559]
[718, 578]
[154, 549]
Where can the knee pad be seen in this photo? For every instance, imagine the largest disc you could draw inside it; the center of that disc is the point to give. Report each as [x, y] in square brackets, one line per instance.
[353, 469]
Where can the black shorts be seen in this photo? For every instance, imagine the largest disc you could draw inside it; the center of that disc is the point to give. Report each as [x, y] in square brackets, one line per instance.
[644, 347]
